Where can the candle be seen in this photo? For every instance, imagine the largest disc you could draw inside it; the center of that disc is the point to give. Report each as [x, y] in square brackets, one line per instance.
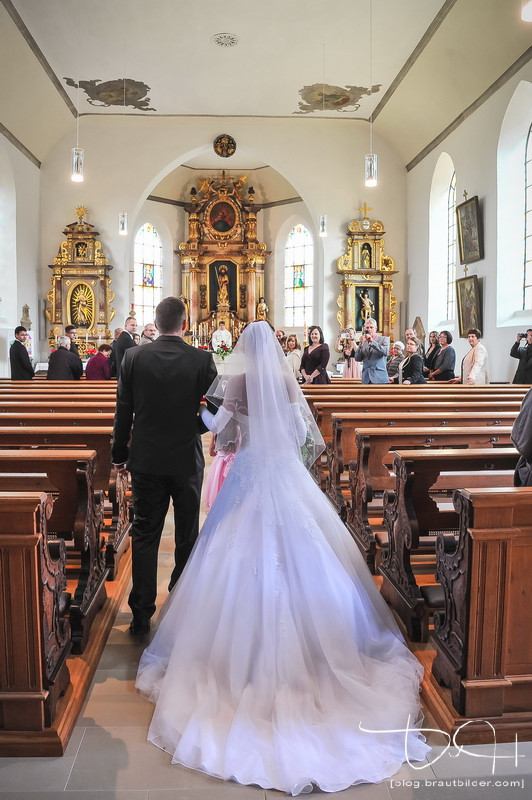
[86, 337]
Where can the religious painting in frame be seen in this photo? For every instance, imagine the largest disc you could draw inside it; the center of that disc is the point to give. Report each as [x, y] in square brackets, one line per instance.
[468, 302]
[469, 227]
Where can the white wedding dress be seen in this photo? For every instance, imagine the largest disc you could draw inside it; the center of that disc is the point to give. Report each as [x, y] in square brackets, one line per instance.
[275, 657]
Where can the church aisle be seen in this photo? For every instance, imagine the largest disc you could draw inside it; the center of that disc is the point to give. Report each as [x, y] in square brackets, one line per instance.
[109, 758]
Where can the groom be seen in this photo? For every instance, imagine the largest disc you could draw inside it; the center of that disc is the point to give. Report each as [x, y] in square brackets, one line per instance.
[159, 392]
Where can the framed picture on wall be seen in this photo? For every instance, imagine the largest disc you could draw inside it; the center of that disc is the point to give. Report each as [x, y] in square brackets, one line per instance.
[469, 226]
[468, 301]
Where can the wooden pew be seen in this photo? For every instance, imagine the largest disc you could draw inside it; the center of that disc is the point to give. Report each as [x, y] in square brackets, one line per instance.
[48, 406]
[412, 519]
[96, 438]
[76, 517]
[34, 627]
[71, 419]
[370, 471]
[341, 449]
[483, 652]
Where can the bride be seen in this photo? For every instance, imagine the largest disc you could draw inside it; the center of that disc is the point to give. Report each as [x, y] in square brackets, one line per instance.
[275, 660]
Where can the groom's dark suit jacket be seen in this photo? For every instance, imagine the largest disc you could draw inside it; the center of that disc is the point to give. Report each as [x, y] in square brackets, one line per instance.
[159, 391]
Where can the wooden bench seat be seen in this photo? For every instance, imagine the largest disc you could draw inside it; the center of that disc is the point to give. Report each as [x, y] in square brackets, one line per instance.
[412, 517]
[341, 449]
[76, 517]
[82, 406]
[106, 479]
[483, 652]
[370, 471]
[70, 419]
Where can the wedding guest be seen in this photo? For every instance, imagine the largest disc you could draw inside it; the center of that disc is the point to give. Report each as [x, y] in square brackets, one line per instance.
[432, 352]
[293, 354]
[315, 358]
[62, 364]
[475, 363]
[99, 365]
[522, 349]
[445, 360]
[392, 367]
[348, 346]
[21, 368]
[372, 352]
[522, 439]
[411, 368]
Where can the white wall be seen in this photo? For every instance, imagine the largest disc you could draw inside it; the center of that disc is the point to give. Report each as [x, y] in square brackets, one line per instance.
[19, 247]
[473, 150]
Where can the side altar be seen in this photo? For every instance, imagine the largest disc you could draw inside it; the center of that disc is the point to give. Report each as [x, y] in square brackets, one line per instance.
[222, 259]
[80, 293]
[367, 273]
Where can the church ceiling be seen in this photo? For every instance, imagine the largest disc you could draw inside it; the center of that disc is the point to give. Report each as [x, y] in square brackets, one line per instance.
[427, 61]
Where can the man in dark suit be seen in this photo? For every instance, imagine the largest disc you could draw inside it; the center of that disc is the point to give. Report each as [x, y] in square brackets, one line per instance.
[159, 392]
[70, 331]
[524, 354]
[62, 364]
[124, 342]
[21, 369]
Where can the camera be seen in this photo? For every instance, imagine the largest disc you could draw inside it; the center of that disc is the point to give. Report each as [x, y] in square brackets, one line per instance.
[522, 335]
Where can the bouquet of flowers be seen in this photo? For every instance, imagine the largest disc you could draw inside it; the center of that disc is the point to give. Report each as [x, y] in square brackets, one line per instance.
[223, 351]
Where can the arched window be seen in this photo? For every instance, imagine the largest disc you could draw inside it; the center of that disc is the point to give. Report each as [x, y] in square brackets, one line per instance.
[527, 273]
[451, 247]
[298, 277]
[148, 274]
[514, 211]
[442, 245]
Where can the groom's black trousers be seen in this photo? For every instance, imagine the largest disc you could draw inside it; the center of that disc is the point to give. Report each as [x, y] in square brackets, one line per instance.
[151, 498]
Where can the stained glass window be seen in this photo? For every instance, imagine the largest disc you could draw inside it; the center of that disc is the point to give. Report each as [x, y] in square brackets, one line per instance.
[451, 248]
[147, 289]
[298, 277]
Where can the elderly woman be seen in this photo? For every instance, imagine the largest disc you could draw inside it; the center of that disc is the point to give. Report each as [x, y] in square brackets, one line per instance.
[411, 367]
[475, 363]
[392, 366]
[99, 365]
[432, 352]
[443, 368]
[293, 354]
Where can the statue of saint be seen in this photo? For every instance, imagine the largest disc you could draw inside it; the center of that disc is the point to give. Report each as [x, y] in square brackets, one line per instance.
[262, 309]
[367, 305]
[223, 283]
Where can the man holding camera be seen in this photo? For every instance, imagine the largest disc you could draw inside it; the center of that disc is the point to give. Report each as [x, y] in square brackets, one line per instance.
[523, 351]
[372, 352]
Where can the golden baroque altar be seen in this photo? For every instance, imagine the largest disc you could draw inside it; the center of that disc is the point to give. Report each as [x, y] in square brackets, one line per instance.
[222, 259]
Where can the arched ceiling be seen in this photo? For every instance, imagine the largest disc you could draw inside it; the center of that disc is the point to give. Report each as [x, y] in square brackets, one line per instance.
[425, 65]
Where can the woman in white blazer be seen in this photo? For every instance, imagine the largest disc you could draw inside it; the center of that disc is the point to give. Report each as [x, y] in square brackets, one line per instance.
[475, 363]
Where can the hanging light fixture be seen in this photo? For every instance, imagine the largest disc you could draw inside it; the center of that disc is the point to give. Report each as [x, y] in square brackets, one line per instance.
[322, 232]
[77, 151]
[370, 159]
[122, 216]
[526, 10]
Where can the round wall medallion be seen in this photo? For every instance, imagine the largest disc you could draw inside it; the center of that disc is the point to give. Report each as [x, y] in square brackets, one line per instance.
[224, 145]
[225, 39]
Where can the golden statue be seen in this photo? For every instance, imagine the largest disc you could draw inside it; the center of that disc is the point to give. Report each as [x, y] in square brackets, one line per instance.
[367, 305]
[223, 283]
[262, 309]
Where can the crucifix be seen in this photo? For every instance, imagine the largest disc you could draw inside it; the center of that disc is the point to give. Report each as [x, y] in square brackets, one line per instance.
[365, 208]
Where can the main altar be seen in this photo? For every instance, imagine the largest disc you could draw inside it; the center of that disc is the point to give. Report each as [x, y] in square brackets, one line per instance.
[367, 277]
[222, 259]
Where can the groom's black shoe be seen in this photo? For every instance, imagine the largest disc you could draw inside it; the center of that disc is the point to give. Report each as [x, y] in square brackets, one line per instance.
[139, 627]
